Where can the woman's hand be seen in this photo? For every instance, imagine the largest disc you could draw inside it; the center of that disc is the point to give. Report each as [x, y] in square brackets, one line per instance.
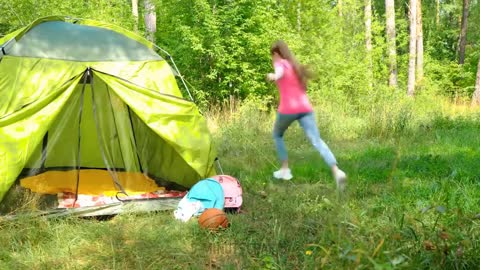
[277, 75]
[270, 77]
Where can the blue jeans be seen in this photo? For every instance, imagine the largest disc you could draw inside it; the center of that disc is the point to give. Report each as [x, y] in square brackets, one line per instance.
[307, 122]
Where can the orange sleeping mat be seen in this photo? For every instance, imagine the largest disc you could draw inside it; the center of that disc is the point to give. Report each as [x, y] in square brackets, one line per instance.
[92, 182]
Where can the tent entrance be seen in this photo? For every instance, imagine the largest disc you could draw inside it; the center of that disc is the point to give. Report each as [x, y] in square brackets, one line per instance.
[98, 148]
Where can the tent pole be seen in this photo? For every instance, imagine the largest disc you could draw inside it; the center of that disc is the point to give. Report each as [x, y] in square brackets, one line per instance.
[219, 165]
[181, 78]
[44, 152]
[102, 150]
[134, 138]
[176, 69]
[85, 76]
[115, 123]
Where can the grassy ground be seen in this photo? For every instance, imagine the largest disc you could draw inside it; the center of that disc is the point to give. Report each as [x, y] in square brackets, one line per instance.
[412, 202]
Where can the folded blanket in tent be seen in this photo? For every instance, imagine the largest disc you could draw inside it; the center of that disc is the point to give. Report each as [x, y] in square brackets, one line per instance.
[92, 182]
[67, 200]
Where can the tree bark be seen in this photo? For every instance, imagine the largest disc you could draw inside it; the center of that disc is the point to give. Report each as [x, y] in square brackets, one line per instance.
[340, 8]
[368, 25]
[368, 40]
[476, 93]
[391, 43]
[150, 19]
[412, 48]
[437, 15]
[419, 42]
[463, 33]
[135, 14]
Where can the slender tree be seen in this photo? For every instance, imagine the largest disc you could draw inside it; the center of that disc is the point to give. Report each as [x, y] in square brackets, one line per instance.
[135, 13]
[368, 40]
[437, 13]
[419, 68]
[150, 19]
[412, 48]
[340, 7]
[463, 33]
[476, 93]
[391, 43]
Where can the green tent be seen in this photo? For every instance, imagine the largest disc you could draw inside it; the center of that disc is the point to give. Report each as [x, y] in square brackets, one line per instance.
[79, 95]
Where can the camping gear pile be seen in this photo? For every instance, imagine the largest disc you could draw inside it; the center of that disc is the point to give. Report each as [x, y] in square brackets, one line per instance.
[91, 109]
[222, 192]
[213, 219]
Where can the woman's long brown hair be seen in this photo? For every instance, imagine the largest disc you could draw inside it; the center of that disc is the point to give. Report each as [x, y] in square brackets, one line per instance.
[282, 49]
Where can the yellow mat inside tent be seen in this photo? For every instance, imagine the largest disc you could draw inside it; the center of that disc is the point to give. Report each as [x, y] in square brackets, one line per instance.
[92, 182]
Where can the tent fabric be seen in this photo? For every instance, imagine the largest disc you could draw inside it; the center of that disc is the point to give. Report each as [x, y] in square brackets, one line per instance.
[186, 129]
[68, 41]
[20, 32]
[28, 84]
[45, 74]
[122, 116]
[22, 131]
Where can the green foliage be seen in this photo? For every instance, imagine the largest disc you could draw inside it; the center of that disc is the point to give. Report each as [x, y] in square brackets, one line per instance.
[412, 164]
[18, 13]
[222, 47]
[452, 80]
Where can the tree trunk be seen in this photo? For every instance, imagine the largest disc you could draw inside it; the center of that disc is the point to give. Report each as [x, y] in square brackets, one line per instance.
[368, 25]
[412, 48]
[463, 33]
[340, 8]
[437, 15]
[419, 42]
[391, 43]
[476, 93]
[135, 14]
[368, 40]
[150, 19]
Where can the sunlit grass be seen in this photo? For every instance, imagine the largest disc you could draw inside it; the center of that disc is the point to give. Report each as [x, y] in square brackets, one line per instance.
[412, 201]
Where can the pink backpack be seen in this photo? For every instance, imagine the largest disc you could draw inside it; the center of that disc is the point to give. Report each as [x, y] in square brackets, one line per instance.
[232, 191]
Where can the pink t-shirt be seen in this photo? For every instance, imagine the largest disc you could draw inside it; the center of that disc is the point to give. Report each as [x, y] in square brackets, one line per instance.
[293, 98]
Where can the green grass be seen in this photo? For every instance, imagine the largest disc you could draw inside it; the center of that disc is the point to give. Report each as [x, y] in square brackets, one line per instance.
[412, 202]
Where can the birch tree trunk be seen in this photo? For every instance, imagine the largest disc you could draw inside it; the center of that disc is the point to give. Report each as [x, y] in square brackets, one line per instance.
[368, 40]
[391, 43]
[463, 33]
[135, 14]
[476, 93]
[340, 8]
[419, 42]
[412, 48]
[437, 14]
[150, 19]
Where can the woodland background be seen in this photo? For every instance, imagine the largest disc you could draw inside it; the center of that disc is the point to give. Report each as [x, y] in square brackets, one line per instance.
[356, 48]
[393, 91]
